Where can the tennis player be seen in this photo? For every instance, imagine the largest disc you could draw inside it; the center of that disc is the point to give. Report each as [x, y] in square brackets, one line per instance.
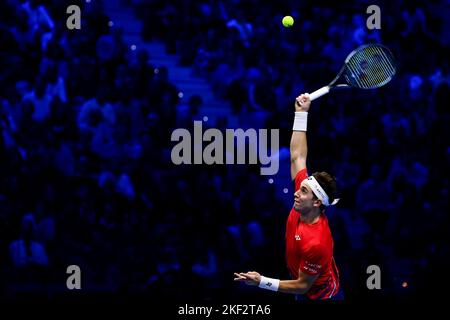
[309, 243]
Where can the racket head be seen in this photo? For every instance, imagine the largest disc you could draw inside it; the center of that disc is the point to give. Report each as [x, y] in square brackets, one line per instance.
[369, 66]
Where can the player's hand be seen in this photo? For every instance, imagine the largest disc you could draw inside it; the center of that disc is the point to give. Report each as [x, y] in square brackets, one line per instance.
[251, 278]
[302, 102]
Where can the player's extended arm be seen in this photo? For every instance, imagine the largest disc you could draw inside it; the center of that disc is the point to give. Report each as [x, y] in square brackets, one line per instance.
[301, 285]
[299, 147]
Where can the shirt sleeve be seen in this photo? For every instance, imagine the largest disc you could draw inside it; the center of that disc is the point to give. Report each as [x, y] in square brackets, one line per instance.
[300, 176]
[314, 260]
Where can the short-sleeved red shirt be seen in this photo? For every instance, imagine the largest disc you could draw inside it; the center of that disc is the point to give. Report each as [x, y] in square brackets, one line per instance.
[309, 248]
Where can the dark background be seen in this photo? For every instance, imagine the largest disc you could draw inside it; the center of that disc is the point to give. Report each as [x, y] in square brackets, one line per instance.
[86, 120]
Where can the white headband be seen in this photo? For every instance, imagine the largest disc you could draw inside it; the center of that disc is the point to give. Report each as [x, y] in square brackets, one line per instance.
[319, 192]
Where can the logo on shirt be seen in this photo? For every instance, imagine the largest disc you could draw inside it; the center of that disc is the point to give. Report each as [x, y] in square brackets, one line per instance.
[312, 267]
[297, 237]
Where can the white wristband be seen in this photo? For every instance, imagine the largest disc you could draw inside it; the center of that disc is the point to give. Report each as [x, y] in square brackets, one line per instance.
[269, 283]
[300, 121]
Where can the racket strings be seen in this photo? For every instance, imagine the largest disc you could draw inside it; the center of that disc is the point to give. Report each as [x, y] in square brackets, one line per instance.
[371, 67]
[381, 68]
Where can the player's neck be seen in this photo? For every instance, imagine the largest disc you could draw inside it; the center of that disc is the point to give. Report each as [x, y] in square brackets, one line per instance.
[311, 216]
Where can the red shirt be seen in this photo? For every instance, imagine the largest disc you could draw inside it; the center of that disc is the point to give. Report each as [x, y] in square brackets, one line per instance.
[309, 248]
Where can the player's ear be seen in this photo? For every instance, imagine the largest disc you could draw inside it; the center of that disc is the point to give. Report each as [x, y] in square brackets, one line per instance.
[317, 203]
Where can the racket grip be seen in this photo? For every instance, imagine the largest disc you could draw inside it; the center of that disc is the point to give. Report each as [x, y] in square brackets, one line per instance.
[318, 93]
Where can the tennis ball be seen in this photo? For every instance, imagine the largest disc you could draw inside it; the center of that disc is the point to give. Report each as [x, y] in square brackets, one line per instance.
[288, 21]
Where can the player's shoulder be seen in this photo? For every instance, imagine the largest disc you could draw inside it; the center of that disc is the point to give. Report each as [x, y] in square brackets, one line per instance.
[301, 175]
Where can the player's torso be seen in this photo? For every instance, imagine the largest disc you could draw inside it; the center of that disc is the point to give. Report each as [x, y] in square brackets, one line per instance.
[299, 238]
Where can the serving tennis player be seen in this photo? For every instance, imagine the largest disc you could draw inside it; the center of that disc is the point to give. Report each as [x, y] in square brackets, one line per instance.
[309, 243]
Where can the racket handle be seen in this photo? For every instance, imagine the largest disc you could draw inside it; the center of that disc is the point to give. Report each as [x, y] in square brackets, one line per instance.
[318, 93]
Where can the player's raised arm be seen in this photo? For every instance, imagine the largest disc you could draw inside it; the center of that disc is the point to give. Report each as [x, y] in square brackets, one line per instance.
[299, 147]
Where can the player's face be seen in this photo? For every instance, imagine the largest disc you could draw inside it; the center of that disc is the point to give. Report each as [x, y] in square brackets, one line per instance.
[303, 198]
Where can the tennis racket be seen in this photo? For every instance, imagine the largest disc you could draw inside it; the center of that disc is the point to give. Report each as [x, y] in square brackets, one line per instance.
[367, 67]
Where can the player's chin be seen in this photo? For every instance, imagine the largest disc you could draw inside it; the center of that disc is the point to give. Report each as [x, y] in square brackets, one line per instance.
[296, 206]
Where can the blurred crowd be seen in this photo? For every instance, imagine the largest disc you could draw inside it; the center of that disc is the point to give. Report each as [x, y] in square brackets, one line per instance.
[86, 175]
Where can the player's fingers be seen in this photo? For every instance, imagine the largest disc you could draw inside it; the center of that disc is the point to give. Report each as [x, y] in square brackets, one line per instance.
[238, 277]
[302, 98]
[251, 276]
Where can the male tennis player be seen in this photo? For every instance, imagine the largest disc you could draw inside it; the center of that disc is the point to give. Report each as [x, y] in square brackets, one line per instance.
[309, 244]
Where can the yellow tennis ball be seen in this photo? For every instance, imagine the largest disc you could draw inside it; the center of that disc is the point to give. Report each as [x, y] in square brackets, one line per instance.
[288, 21]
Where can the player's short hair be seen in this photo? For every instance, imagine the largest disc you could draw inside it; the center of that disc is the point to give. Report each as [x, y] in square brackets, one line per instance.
[328, 184]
